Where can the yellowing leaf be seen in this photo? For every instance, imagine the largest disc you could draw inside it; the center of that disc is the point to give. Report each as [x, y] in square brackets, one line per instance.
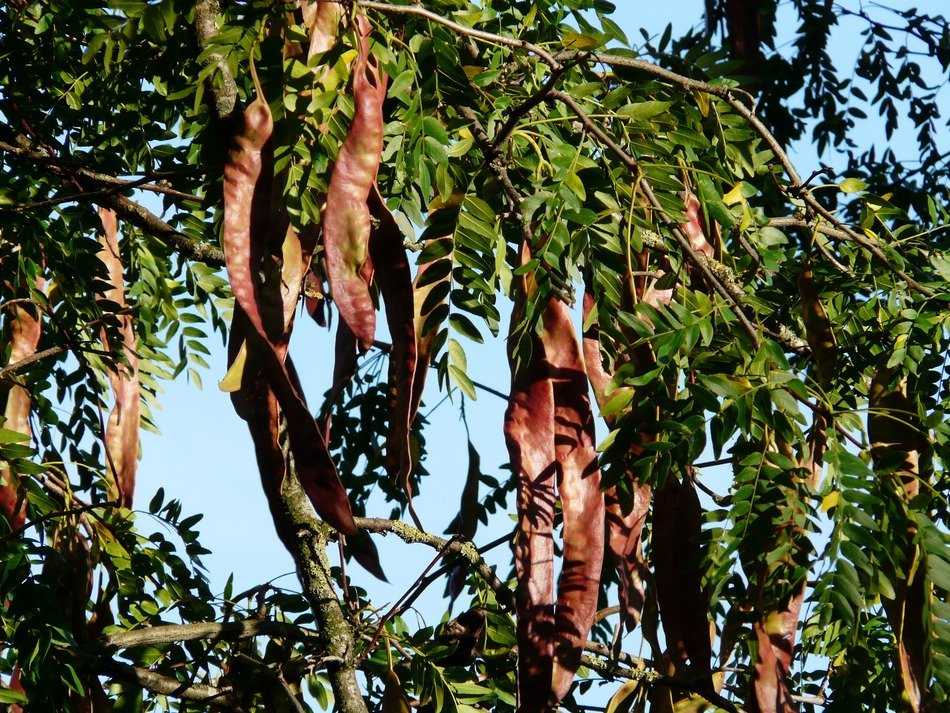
[733, 196]
[830, 500]
[622, 700]
[577, 41]
[232, 380]
[702, 101]
[573, 181]
[852, 185]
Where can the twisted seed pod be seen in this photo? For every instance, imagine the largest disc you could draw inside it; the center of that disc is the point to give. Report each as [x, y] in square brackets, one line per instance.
[122, 430]
[529, 435]
[246, 227]
[582, 502]
[624, 529]
[346, 222]
[395, 284]
[24, 338]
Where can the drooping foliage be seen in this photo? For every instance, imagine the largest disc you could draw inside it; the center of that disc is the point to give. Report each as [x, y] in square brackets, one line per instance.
[726, 415]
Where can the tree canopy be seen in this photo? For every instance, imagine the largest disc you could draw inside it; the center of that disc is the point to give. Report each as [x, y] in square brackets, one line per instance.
[676, 295]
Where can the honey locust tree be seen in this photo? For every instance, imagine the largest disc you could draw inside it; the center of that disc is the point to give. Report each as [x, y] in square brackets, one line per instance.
[675, 294]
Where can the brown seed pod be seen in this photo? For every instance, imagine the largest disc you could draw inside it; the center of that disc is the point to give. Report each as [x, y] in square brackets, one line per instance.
[122, 430]
[347, 223]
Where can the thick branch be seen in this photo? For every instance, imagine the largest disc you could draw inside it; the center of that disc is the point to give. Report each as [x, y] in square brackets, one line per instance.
[144, 219]
[306, 538]
[223, 94]
[223, 696]
[229, 631]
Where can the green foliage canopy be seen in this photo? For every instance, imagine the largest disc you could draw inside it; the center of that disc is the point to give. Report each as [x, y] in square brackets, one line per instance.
[797, 327]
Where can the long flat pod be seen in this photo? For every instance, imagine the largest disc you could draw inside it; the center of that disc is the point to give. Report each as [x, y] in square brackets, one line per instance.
[25, 330]
[624, 529]
[582, 502]
[775, 638]
[896, 432]
[426, 314]
[775, 628]
[395, 283]
[821, 339]
[677, 525]
[247, 183]
[347, 223]
[529, 435]
[122, 430]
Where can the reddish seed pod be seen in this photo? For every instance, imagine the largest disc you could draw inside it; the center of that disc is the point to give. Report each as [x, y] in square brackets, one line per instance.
[582, 502]
[624, 529]
[695, 227]
[246, 227]
[395, 284]
[529, 434]
[24, 338]
[346, 222]
[122, 430]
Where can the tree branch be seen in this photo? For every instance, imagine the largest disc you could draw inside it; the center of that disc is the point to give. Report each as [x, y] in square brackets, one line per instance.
[11, 369]
[653, 678]
[228, 631]
[420, 11]
[634, 165]
[746, 110]
[306, 538]
[223, 696]
[223, 95]
[464, 548]
[125, 208]
[740, 100]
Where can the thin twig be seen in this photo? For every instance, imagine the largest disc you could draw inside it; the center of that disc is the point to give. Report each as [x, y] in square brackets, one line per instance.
[128, 210]
[383, 7]
[408, 533]
[396, 607]
[11, 369]
[634, 165]
[740, 100]
[15, 534]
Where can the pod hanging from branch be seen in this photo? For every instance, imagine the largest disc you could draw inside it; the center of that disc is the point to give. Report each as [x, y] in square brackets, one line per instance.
[578, 484]
[775, 645]
[897, 447]
[529, 435]
[549, 428]
[624, 529]
[247, 226]
[122, 430]
[677, 524]
[432, 278]
[347, 222]
[25, 330]
[395, 284]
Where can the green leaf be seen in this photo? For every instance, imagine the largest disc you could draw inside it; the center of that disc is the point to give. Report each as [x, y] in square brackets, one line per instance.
[642, 111]
[852, 185]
